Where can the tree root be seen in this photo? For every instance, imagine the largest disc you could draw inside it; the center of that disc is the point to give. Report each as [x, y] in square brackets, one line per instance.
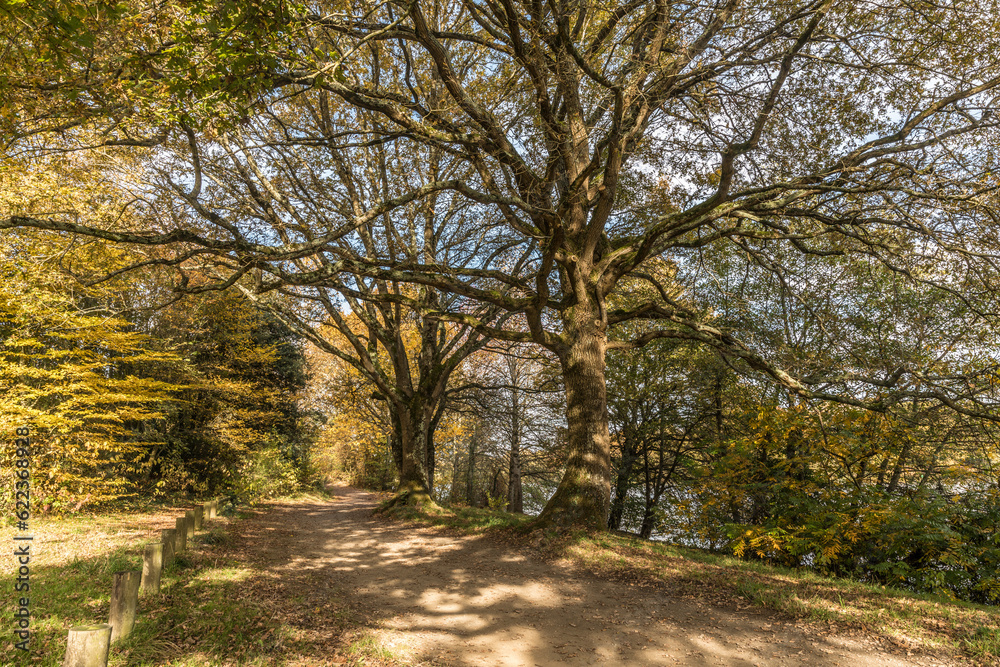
[413, 498]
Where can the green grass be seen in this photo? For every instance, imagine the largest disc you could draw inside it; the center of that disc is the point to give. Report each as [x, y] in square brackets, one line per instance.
[203, 617]
[916, 622]
[368, 648]
[983, 644]
[198, 618]
[213, 536]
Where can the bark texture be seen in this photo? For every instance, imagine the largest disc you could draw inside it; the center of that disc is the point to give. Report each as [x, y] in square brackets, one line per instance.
[515, 499]
[416, 440]
[583, 497]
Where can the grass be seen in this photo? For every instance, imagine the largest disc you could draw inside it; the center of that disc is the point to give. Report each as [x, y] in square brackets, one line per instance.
[910, 621]
[218, 606]
[73, 558]
[367, 648]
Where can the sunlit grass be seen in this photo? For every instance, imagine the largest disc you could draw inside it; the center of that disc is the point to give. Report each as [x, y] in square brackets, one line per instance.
[367, 647]
[224, 574]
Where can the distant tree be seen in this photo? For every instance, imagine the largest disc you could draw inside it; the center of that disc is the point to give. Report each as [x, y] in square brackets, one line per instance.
[662, 418]
[512, 396]
[240, 427]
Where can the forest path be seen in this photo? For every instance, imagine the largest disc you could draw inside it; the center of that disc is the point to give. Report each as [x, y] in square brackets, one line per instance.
[441, 598]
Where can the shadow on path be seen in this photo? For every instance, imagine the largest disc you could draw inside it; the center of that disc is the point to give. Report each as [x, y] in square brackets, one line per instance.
[441, 598]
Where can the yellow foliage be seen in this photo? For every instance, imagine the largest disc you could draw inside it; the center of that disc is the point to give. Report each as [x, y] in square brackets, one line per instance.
[67, 372]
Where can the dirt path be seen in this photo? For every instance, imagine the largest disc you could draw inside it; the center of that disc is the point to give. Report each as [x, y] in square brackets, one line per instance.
[443, 599]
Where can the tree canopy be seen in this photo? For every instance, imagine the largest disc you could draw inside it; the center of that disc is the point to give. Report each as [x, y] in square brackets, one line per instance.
[600, 152]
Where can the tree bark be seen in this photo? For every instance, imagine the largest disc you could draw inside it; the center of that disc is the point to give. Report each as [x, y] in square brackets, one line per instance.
[625, 467]
[428, 430]
[648, 520]
[417, 408]
[396, 443]
[470, 471]
[583, 497]
[515, 500]
[453, 493]
[414, 469]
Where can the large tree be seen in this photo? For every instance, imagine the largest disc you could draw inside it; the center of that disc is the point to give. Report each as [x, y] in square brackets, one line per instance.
[602, 138]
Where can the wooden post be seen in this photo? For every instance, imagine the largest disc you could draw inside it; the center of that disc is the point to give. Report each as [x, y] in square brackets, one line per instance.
[152, 566]
[124, 597]
[87, 646]
[168, 537]
[189, 515]
[199, 517]
[182, 531]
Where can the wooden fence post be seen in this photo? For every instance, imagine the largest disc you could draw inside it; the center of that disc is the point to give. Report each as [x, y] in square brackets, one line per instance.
[152, 566]
[168, 537]
[87, 646]
[124, 597]
[182, 532]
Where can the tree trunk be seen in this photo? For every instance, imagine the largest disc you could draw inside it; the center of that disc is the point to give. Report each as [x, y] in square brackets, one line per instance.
[453, 493]
[415, 468]
[734, 510]
[625, 467]
[396, 444]
[648, 520]
[583, 497]
[515, 498]
[497, 489]
[515, 501]
[429, 448]
[897, 470]
[470, 471]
